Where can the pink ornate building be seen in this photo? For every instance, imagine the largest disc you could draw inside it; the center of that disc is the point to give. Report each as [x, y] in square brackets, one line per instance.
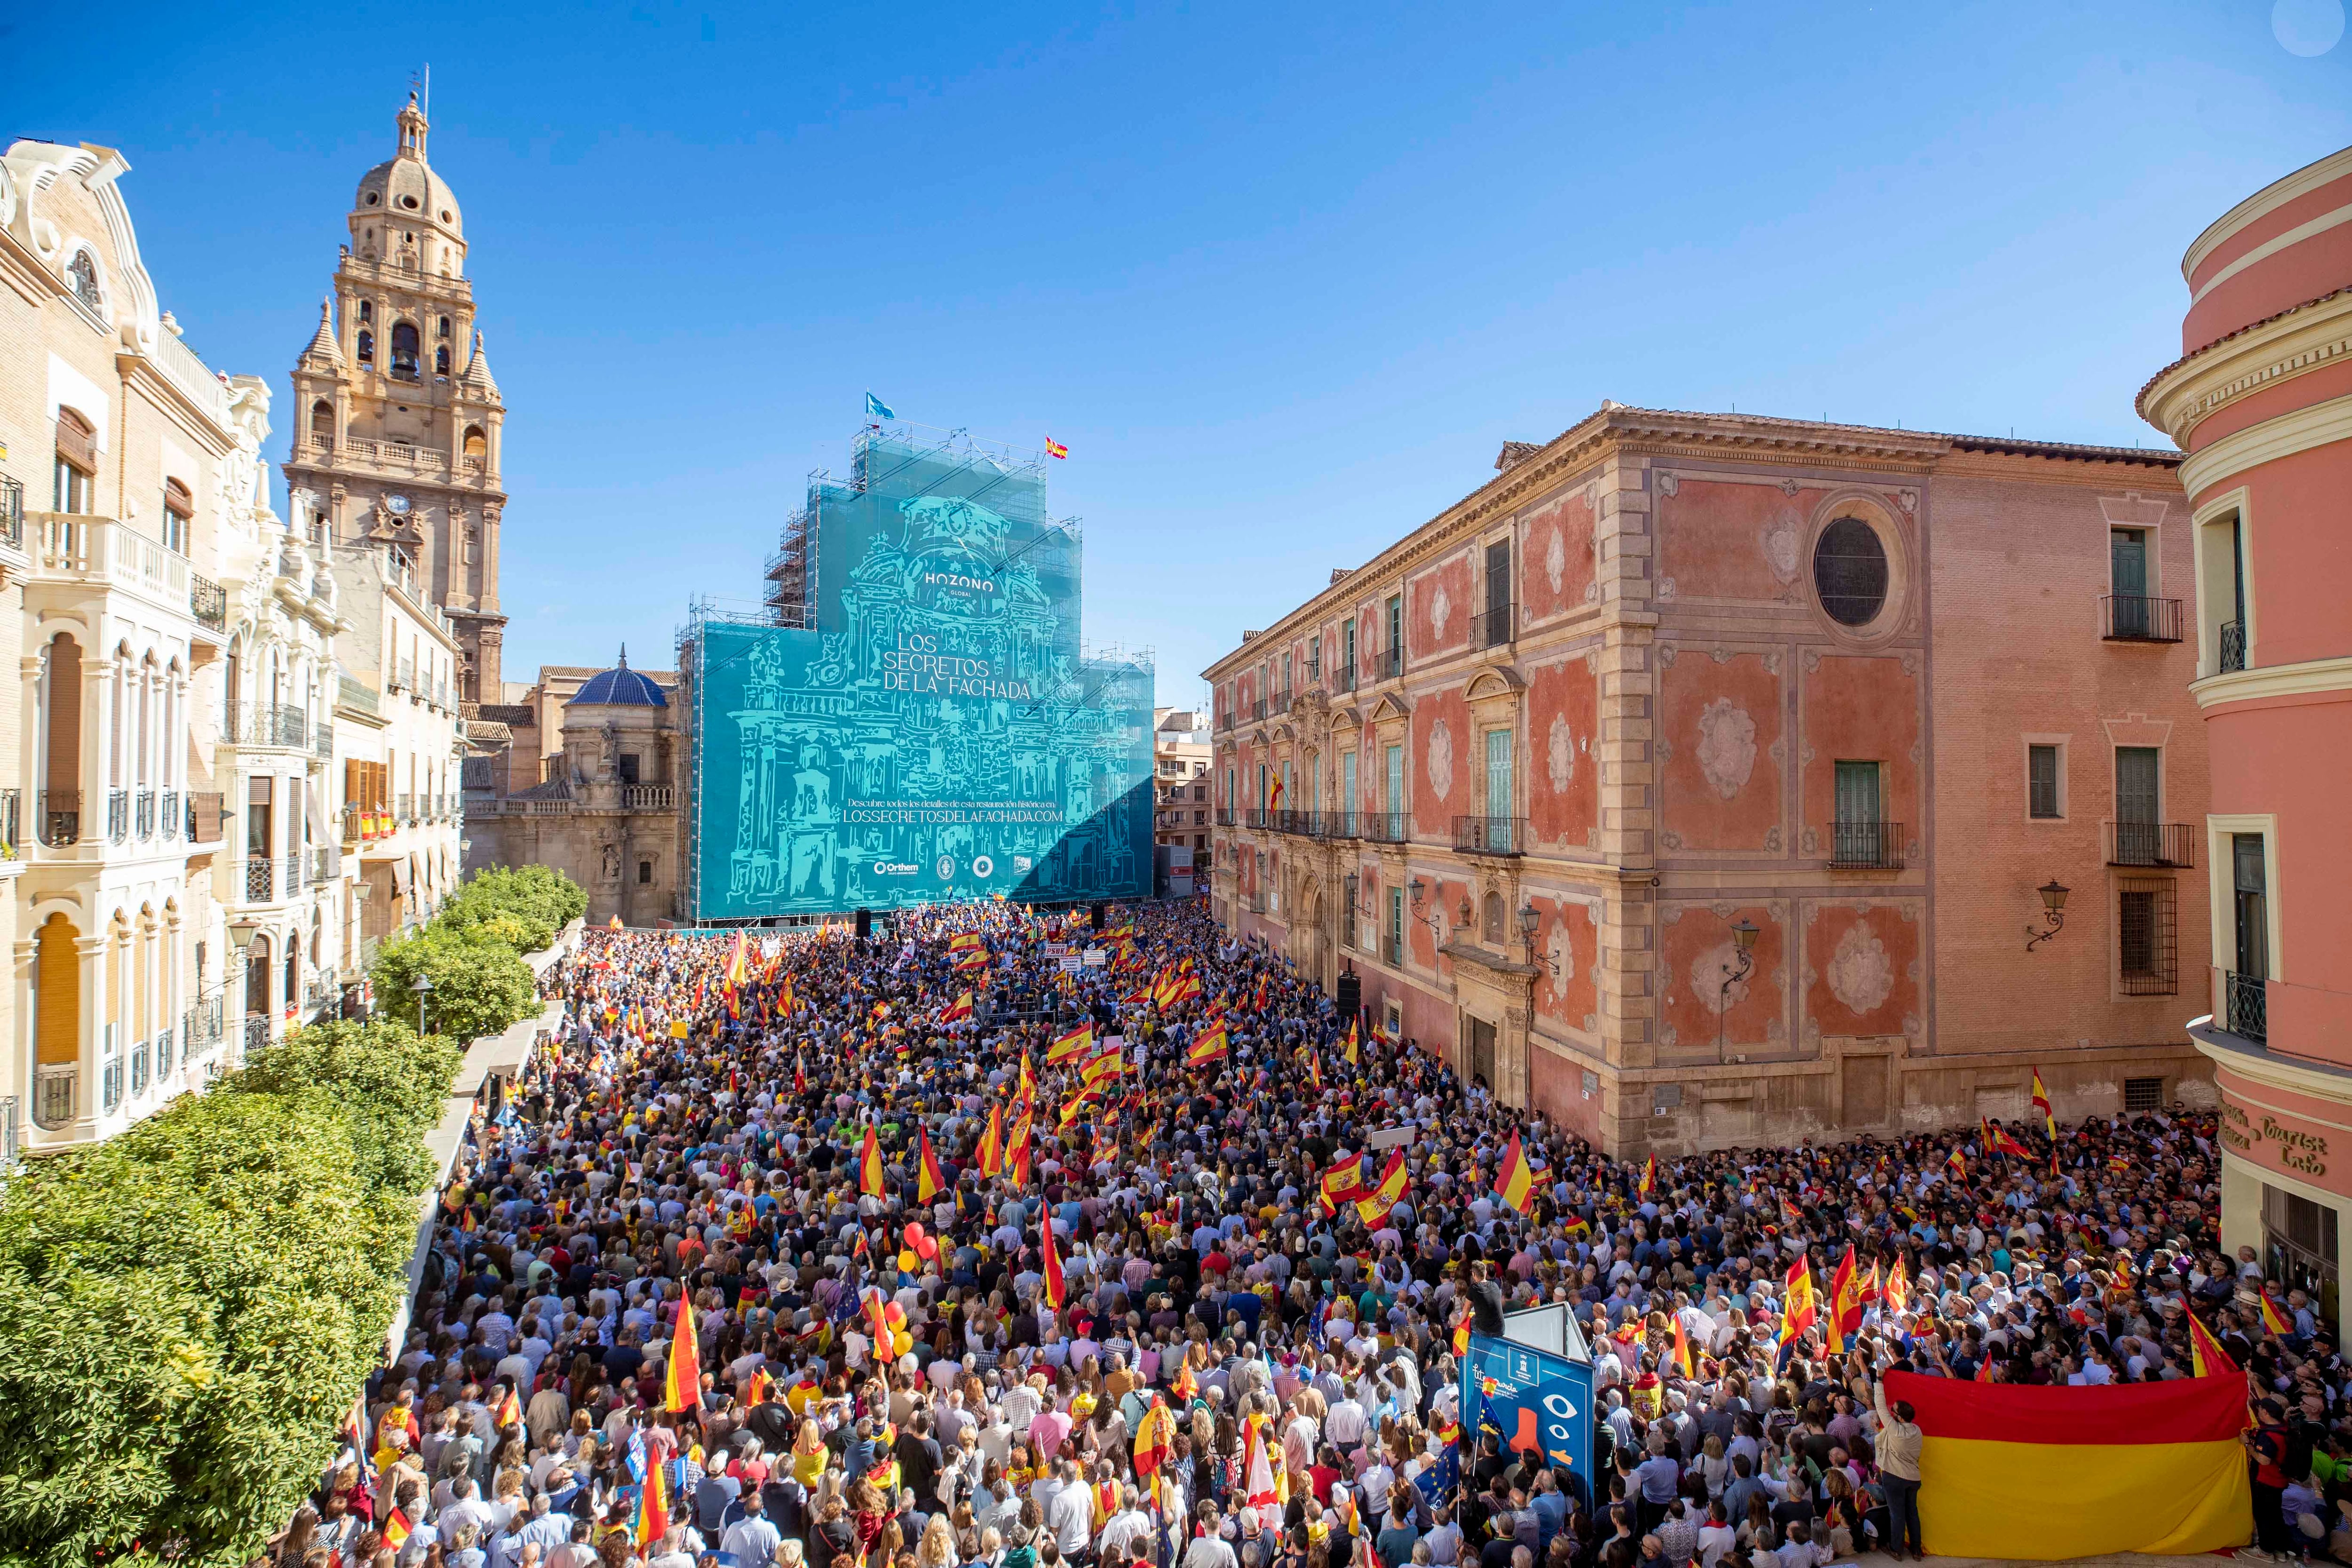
[2261, 401]
[1671, 683]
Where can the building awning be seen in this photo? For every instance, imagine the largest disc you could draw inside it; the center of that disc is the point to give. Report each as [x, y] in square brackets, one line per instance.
[400, 879]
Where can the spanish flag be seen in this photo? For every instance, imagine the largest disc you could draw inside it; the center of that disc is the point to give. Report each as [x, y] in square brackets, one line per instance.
[615, 923]
[1209, 1048]
[1682, 1354]
[684, 1390]
[1017, 1152]
[992, 1145]
[1072, 1045]
[869, 1165]
[929, 1182]
[1896, 1300]
[2276, 1322]
[1352, 1025]
[1515, 1178]
[1845, 1302]
[2042, 1104]
[1342, 1184]
[1373, 1207]
[396, 1527]
[959, 1008]
[1649, 1176]
[2207, 1358]
[1462, 1333]
[1053, 1266]
[1798, 1309]
[509, 1410]
[1155, 1438]
[2015, 1470]
[651, 1521]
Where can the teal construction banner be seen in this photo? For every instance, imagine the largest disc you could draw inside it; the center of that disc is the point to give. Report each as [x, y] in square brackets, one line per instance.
[935, 732]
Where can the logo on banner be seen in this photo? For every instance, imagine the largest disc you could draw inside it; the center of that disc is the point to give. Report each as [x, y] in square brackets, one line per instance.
[982, 867]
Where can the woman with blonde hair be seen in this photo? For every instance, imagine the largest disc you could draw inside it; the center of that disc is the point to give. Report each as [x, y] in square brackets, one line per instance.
[809, 1455]
[936, 1549]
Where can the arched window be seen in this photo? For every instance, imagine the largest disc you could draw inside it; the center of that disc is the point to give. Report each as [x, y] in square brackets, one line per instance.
[404, 351]
[367, 309]
[322, 423]
[444, 326]
[367, 346]
[477, 445]
[1490, 919]
[82, 273]
[441, 362]
[257, 977]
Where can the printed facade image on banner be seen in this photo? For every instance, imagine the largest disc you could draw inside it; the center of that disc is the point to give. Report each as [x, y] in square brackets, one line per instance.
[935, 731]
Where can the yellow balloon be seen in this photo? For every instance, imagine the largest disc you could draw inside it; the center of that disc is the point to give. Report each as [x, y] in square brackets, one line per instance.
[906, 1260]
[906, 1342]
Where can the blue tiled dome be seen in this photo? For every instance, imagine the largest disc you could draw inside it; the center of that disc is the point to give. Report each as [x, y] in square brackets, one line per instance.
[620, 687]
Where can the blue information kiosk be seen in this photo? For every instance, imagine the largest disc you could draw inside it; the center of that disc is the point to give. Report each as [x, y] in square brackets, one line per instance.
[1532, 1388]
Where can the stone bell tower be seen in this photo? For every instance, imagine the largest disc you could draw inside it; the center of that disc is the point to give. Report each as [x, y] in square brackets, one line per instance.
[396, 420]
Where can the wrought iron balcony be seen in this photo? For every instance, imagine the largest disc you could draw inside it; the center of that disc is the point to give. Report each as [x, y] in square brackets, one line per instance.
[2131, 617]
[1224, 817]
[12, 513]
[208, 603]
[54, 1095]
[1494, 626]
[200, 1026]
[2233, 648]
[1343, 678]
[60, 818]
[1384, 827]
[1338, 824]
[1282, 701]
[1865, 846]
[1490, 834]
[1258, 709]
[266, 724]
[405, 811]
[2245, 1005]
[142, 814]
[256, 1032]
[118, 816]
[1225, 719]
[261, 879]
[173, 813]
[2170, 844]
[1388, 664]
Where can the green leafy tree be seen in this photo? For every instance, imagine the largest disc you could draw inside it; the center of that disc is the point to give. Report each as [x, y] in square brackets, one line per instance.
[187, 1309]
[479, 986]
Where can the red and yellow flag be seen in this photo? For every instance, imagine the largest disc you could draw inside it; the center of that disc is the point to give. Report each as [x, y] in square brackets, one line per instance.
[2206, 1356]
[2016, 1470]
[869, 1165]
[1353, 1052]
[683, 1387]
[1053, 1266]
[1017, 1156]
[1682, 1355]
[1845, 1302]
[1373, 1207]
[1155, 1438]
[958, 1009]
[738, 961]
[2273, 1319]
[652, 1520]
[1897, 1298]
[1342, 1184]
[1649, 1176]
[1798, 1306]
[992, 1145]
[930, 1182]
[2042, 1104]
[1515, 1178]
[1212, 1047]
[396, 1526]
[1072, 1045]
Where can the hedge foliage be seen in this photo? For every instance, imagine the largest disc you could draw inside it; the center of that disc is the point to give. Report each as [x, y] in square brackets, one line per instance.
[472, 951]
[188, 1310]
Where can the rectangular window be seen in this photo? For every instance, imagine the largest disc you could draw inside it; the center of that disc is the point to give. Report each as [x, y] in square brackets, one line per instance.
[2127, 578]
[1393, 805]
[1498, 593]
[2143, 1094]
[2145, 940]
[644, 872]
[1348, 914]
[2042, 781]
[1347, 644]
[1498, 790]
[1229, 789]
[1395, 954]
[2136, 775]
[1857, 794]
[1348, 802]
[2249, 910]
[1396, 634]
[1261, 786]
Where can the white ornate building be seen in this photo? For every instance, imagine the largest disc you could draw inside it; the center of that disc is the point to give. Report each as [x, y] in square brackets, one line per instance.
[173, 647]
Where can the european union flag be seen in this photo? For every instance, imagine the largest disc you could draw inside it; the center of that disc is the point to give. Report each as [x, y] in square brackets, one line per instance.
[878, 409]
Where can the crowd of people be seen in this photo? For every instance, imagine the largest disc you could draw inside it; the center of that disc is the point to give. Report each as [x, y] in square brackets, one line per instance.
[995, 1252]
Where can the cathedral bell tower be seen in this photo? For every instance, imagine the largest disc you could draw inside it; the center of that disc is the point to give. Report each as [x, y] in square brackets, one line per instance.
[396, 426]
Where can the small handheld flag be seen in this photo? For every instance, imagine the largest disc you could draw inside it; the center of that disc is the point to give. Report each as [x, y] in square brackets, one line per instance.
[1515, 1178]
[684, 1390]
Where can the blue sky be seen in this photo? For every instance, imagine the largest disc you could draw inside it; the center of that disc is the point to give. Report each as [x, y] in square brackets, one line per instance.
[1283, 277]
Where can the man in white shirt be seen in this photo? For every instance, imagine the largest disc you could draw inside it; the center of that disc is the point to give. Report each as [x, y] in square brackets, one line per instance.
[751, 1541]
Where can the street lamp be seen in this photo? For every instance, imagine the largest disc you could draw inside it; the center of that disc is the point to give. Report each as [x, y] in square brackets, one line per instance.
[1743, 941]
[422, 987]
[1529, 920]
[2054, 910]
[1418, 890]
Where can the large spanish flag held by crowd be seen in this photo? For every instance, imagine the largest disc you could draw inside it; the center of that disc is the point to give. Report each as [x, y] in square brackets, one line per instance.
[2019, 1471]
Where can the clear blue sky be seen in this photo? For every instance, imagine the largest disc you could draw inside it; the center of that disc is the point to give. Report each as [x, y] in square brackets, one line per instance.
[1282, 277]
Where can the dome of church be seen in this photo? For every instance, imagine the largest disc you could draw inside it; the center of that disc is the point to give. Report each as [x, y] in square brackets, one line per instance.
[406, 186]
[619, 687]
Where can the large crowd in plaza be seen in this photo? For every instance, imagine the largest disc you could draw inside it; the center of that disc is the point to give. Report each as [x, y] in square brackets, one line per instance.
[971, 1289]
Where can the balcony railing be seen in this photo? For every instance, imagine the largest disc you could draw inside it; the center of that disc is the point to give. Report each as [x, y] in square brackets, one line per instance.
[2130, 618]
[256, 1032]
[2233, 648]
[1281, 701]
[1343, 678]
[648, 797]
[1384, 827]
[1490, 834]
[1224, 817]
[60, 818]
[2171, 844]
[266, 724]
[103, 551]
[118, 816]
[1225, 719]
[142, 814]
[2245, 1003]
[1258, 709]
[208, 603]
[1865, 846]
[53, 1095]
[1339, 824]
[406, 810]
[200, 1026]
[9, 801]
[261, 879]
[173, 815]
[12, 513]
[1388, 664]
[1494, 626]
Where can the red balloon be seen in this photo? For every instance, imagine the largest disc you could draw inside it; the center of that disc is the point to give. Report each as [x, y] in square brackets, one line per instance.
[914, 1233]
[926, 1248]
